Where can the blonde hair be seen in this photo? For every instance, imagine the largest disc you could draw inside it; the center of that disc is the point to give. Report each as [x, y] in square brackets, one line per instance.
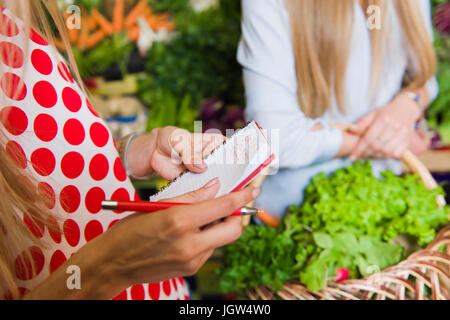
[322, 33]
[18, 189]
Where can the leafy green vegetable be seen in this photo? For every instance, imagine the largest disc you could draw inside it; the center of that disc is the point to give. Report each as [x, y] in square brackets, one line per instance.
[346, 221]
[271, 260]
[95, 61]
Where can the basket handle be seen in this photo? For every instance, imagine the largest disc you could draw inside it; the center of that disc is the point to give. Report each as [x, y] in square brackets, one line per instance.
[408, 158]
[412, 162]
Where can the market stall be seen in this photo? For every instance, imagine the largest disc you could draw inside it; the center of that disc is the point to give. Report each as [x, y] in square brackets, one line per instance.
[150, 64]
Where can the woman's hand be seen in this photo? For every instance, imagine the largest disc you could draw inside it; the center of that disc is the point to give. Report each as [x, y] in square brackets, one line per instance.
[170, 151]
[387, 131]
[161, 245]
[151, 247]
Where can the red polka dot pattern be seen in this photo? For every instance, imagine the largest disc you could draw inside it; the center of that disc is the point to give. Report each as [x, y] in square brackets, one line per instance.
[73, 158]
[69, 198]
[36, 227]
[99, 134]
[43, 161]
[36, 38]
[71, 99]
[41, 62]
[94, 198]
[72, 164]
[57, 259]
[119, 171]
[16, 153]
[154, 290]
[74, 132]
[45, 127]
[71, 232]
[98, 167]
[120, 194]
[166, 287]
[64, 72]
[121, 296]
[93, 229]
[47, 193]
[137, 292]
[8, 27]
[91, 108]
[27, 269]
[14, 120]
[11, 55]
[54, 230]
[13, 86]
[45, 94]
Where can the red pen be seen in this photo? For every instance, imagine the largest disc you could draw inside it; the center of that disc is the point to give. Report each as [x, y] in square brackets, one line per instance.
[146, 206]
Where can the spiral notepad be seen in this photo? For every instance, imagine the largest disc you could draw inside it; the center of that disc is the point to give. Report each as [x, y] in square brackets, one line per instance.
[235, 163]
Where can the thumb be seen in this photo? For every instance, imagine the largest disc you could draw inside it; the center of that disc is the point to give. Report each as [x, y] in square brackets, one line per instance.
[207, 192]
[363, 124]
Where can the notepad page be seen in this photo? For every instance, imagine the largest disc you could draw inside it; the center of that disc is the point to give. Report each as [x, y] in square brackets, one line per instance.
[232, 163]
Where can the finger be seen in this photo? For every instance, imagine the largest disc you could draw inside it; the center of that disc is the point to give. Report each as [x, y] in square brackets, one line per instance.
[199, 215]
[221, 234]
[369, 140]
[395, 148]
[181, 144]
[208, 191]
[359, 151]
[361, 126]
[211, 142]
[386, 135]
[372, 135]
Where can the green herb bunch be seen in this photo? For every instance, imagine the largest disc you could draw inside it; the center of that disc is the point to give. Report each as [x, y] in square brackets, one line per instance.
[347, 220]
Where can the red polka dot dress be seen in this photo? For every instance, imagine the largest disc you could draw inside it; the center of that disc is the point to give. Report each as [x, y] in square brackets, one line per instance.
[55, 135]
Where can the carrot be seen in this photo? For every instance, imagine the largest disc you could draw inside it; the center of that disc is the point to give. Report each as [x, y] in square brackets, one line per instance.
[95, 38]
[84, 33]
[118, 14]
[104, 24]
[133, 33]
[134, 14]
[268, 219]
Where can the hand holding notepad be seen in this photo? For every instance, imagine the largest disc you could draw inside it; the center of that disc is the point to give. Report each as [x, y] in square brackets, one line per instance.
[235, 163]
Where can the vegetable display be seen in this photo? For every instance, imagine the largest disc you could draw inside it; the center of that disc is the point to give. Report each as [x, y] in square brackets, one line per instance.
[199, 61]
[438, 114]
[348, 220]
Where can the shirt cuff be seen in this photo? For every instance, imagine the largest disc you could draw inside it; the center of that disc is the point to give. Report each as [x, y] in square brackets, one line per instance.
[331, 144]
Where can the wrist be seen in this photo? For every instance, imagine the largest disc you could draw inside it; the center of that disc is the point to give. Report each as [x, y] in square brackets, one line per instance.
[416, 100]
[135, 152]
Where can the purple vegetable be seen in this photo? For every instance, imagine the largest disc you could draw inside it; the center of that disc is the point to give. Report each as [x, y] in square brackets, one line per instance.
[213, 124]
[442, 19]
[211, 109]
[234, 117]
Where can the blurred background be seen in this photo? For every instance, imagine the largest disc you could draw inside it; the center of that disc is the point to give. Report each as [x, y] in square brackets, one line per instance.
[173, 62]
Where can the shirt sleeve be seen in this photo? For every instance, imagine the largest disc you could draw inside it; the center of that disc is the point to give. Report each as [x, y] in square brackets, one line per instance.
[432, 85]
[268, 61]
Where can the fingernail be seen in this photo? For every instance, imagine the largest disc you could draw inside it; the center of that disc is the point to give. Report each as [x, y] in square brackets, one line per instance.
[256, 192]
[201, 165]
[212, 183]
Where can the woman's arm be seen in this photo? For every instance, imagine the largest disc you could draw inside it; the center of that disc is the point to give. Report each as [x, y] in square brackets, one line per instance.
[266, 55]
[166, 151]
[147, 248]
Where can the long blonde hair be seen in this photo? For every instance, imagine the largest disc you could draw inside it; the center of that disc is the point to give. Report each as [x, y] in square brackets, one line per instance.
[18, 189]
[322, 33]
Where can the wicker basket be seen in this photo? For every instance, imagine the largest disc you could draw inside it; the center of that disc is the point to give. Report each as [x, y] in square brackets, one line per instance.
[430, 268]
